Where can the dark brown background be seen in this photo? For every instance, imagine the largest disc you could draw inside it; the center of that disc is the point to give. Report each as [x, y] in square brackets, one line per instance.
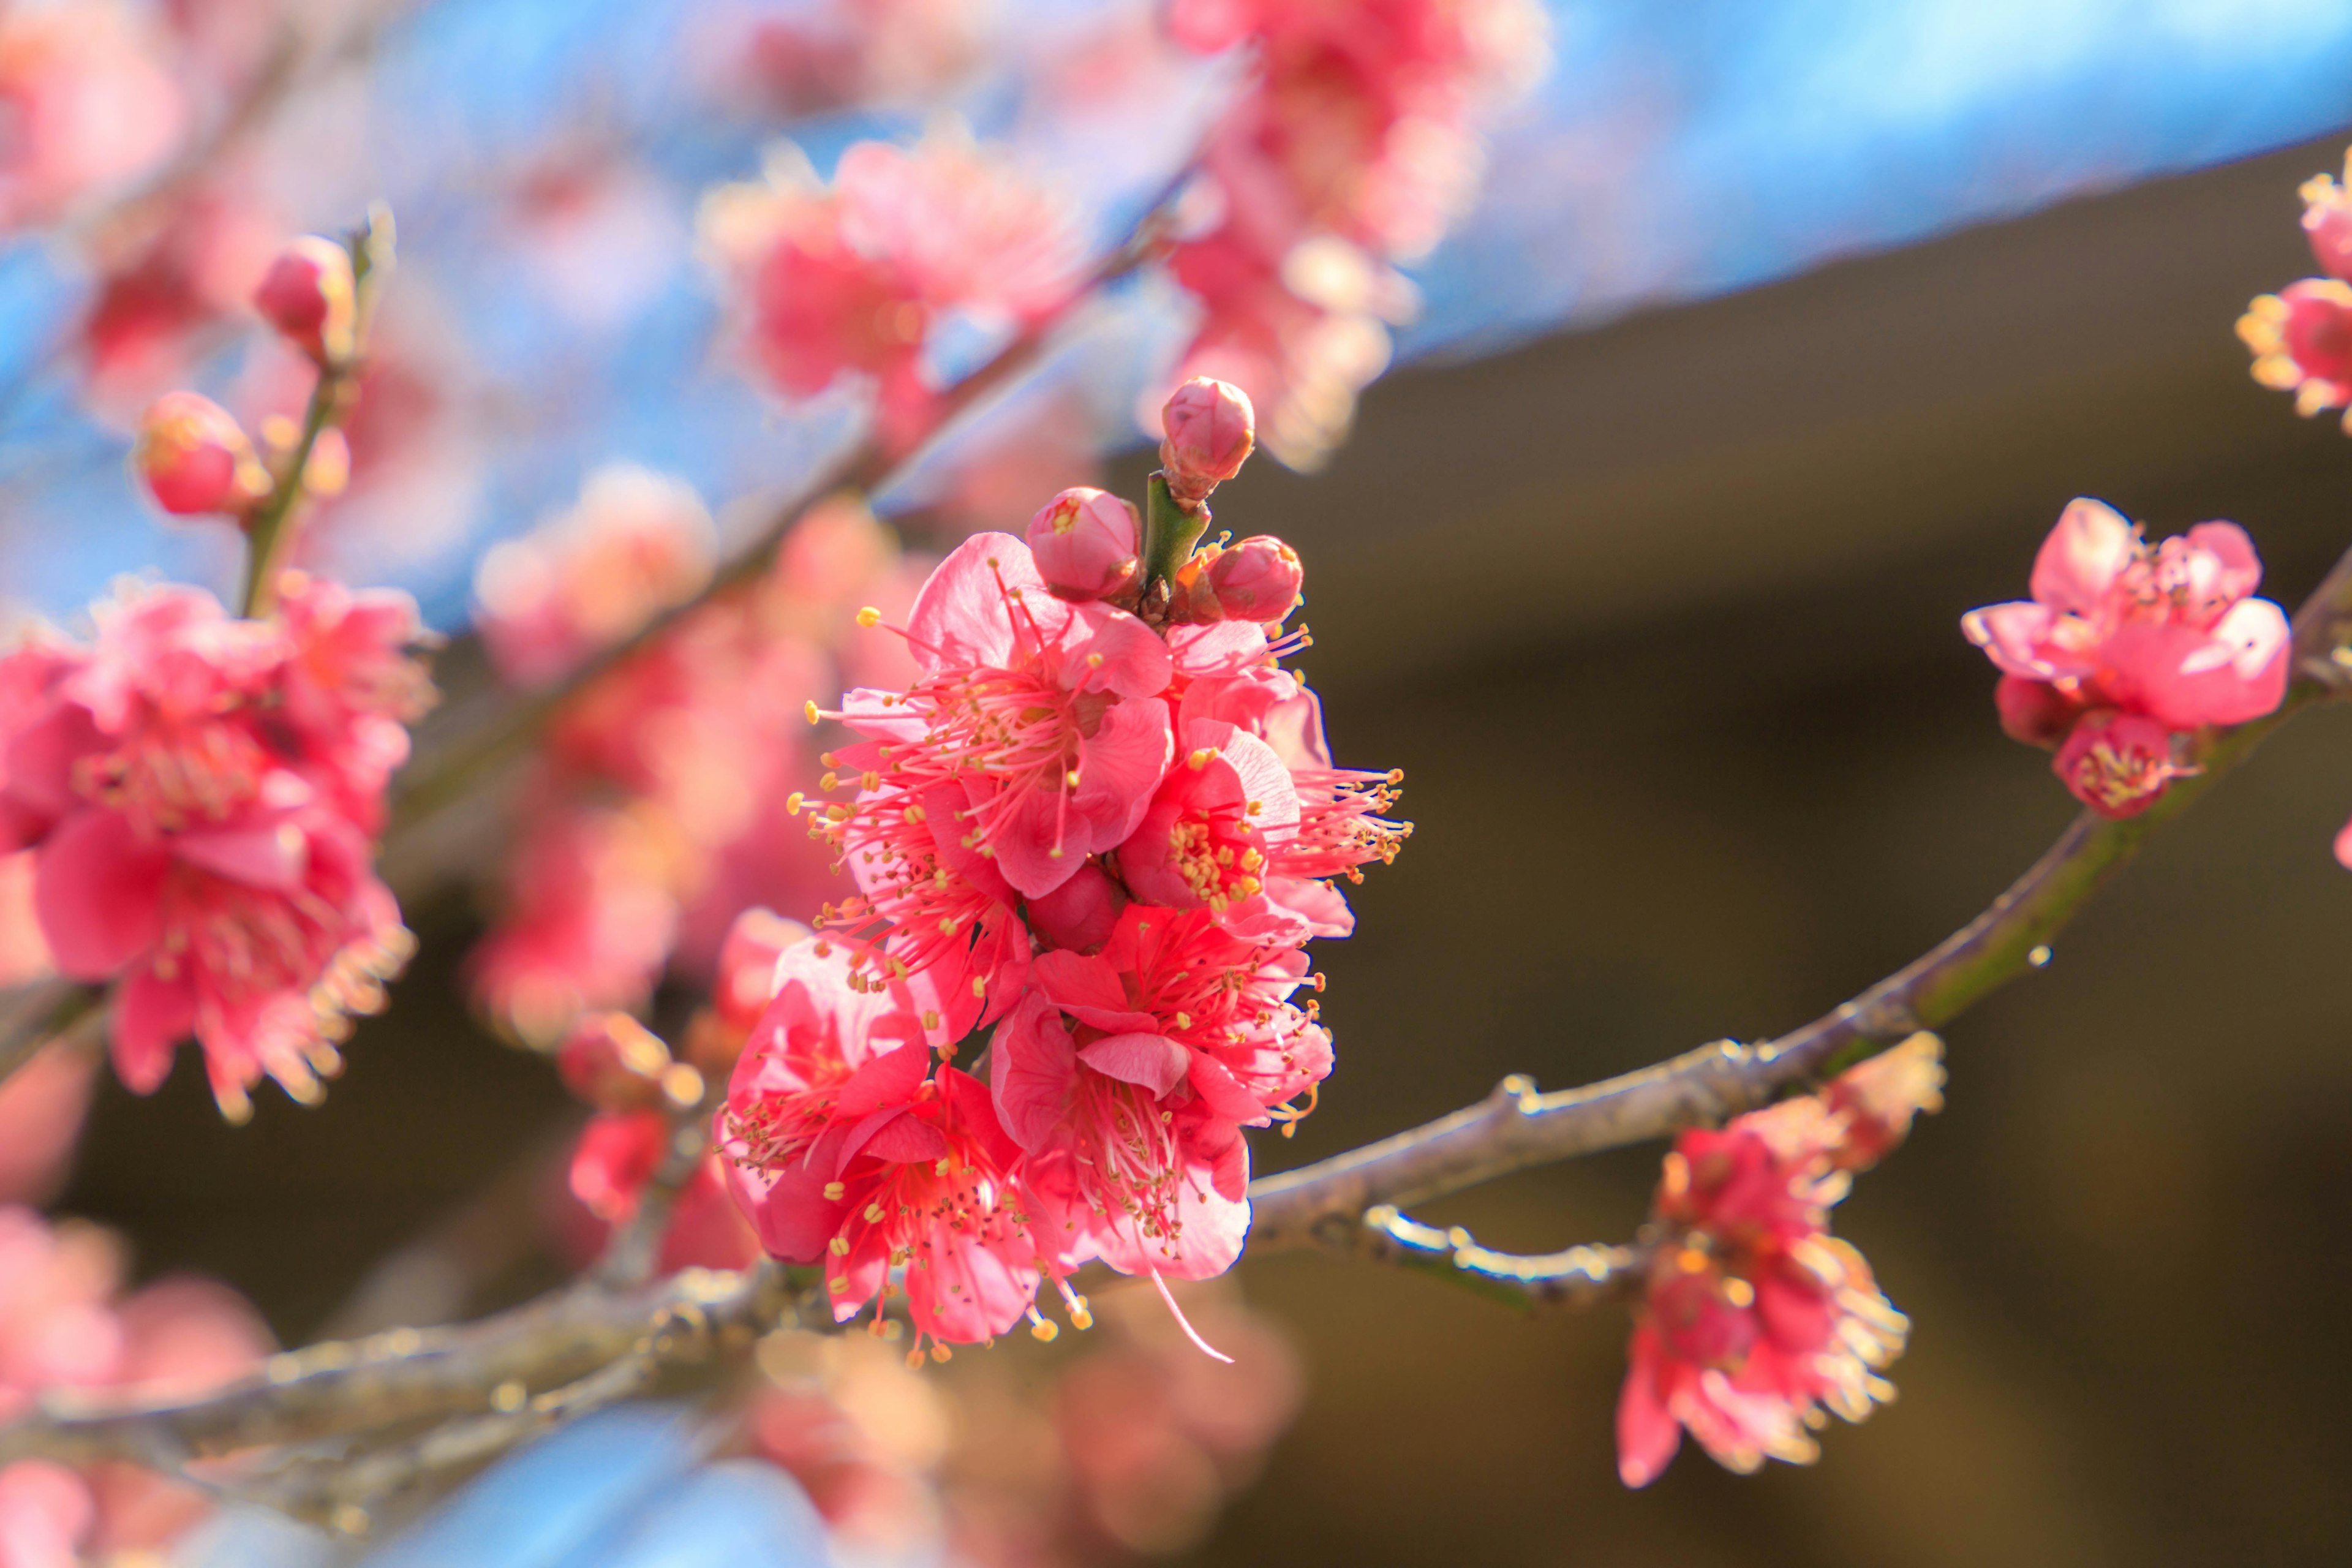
[1660, 620]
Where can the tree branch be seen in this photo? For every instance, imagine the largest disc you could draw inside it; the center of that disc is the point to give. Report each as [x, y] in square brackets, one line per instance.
[1514, 1127]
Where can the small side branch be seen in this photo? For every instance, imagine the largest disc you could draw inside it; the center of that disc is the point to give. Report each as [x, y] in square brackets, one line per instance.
[1580, 1277]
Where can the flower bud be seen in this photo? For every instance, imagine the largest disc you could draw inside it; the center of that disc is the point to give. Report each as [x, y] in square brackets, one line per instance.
[1211, 431]
[1080, 914]
[1085, 542]
[1257, 580]
[310, 296]
[2034, 712]
[2117, 764]
[195, 459]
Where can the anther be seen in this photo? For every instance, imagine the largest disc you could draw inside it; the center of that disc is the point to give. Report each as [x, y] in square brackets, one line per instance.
[869, 618]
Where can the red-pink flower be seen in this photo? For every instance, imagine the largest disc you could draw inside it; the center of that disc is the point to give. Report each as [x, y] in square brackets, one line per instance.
[2328, 221]
[850, 277]
[203, 792]
[2302, 343]
[1035, 723]
[844, 1147]
[2117, 764]
[1754, 1319]
[2169, 632]
[616, 1156]
[1127, 1077]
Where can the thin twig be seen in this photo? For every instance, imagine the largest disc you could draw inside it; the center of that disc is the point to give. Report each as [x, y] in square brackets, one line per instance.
[1580, 1277]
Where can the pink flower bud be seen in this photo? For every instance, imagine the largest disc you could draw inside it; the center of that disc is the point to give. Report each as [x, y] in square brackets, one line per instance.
[1085, 542]
[195, 458]
[310, 296]
[1081, 913]
[1257, 580]
[2118, 764]
[2034, 712]
[1210, 432]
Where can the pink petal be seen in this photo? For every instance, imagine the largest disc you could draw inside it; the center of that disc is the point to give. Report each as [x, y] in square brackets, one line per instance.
[1032, 1066]
[1119, 768]
[1221, 1091]
[1090, 989]
[2084, 555]
[2015, 637]
[97, 890]
[893, 1137]
[1116, 653]
[274, 855]
[2344, 846]
[1153, 1061]
[150, 1017]
[960, 618]
[1036, 838]
[969, 1292]
[889, 1080]
[1647, 1433]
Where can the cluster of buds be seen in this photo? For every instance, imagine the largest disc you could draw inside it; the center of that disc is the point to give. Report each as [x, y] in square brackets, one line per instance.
[193, 456]
[2127, 648]
[1100, 831]
[2300, 337]
[1754, 1320]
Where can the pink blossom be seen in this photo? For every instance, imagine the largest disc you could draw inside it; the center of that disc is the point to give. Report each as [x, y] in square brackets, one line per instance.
[168, 287]
[634, 545]
[1754, 1319]
[849, 277]
[89, 105]
[844, 1147]
[1084, 543]
[2302, 343]
[42, 1105]
[2328, 221]
[2117, 764]
[2170, 633]
[1257, 580]
[1127, 1075]
[203, 790]
[616, 1156]
[1034, 729]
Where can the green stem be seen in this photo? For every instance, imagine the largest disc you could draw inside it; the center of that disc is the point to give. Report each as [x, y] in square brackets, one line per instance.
[1169, 532]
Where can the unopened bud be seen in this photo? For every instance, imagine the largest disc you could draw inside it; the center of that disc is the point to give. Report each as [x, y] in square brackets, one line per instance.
[2117, 764]
[1257, 580]
[1212, 430]
[2034, 712]
[1085, 542]
[309, 296]
[195, 458]
[1080, 914]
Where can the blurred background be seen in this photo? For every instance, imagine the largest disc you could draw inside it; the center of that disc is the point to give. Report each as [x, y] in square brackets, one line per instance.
[1775, 338]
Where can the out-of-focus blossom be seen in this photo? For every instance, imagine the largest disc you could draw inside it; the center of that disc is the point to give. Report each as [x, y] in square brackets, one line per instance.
[2168, 636]
[849, 277]
[63, 1327]
[42, 1105]
[202, 793]
[634, 545]
[616, 1156]
[599, 233]
[196, 459]
[169, 287]
[2302, 343]
[2328, 221]
[90, 102]
[845, 52]
[1354, 148]
[1755, 1319]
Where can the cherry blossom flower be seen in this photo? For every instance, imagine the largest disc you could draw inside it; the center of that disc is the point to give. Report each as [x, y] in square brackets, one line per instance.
[2169, 635]
[2328, 221]
[202, 793]
[610, 1165]
[1754, 1319]
[844, 1147]
[849, 277]
[2302, 343]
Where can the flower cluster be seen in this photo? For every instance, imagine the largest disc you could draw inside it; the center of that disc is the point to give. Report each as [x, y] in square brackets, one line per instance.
[850, 277]
[647, 832]
[1352, 149]
[2125, 647]
[202, 795]
[1754, 1320]
[61, 1327]
[1105, 826]
[2302, 335]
